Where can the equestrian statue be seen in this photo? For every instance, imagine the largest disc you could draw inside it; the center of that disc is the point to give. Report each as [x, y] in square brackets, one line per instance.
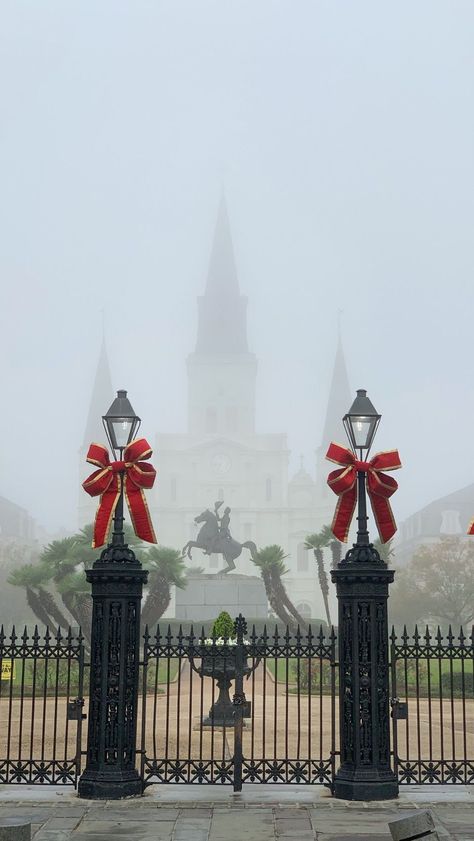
[214, 537]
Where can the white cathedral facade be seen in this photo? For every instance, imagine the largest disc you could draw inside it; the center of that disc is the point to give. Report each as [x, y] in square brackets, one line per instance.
[222, 456]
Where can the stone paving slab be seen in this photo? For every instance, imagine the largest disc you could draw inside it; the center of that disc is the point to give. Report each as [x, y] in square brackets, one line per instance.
[354, 837]
[179, 813]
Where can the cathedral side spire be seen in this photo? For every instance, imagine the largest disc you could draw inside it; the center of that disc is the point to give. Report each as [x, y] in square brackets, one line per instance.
[222, 326]
[102, 396]
[340, 398]
[339, 401]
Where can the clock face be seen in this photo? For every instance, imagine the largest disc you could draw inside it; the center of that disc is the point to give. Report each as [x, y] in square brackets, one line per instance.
[221, 463]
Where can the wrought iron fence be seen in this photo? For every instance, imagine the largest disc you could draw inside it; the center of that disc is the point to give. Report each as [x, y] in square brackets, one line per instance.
[433, 706]
[41, 699]
[280, 726]
[260, 708]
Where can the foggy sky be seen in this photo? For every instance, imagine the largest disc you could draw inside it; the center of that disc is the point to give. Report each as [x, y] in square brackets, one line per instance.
[342, 133]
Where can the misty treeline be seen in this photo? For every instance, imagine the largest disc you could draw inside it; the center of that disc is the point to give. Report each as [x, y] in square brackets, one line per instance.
[437, 586]
[58, 594]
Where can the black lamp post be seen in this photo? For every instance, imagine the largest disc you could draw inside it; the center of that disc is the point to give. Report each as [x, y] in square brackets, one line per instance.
[362, 580]
[117, 580]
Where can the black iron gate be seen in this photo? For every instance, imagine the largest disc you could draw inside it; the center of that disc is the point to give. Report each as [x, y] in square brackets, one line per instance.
[257, 708]
[41, 707]
[433, 707]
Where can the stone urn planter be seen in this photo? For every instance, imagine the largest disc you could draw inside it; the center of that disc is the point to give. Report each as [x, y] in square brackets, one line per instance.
[218, 659]
[221, 667]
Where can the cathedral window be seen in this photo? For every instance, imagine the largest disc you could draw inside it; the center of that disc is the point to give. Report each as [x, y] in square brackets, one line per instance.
[304, 609]
[302, 560]
[211, 419]
[232, 418]
[268, 489]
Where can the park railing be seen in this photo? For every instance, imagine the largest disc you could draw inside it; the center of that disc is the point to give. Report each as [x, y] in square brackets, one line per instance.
[259, 707]
[433, 706]
[41, 700]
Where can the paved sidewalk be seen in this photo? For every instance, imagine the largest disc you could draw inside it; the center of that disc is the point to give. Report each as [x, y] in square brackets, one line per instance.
[260, 813]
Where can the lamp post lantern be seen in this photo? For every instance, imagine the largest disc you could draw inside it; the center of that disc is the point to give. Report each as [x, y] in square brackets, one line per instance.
[362, 580]
[361, 424]
[117, 580]
[121, 425]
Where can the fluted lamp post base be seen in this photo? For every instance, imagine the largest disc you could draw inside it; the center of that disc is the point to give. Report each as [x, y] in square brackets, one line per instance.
[356, 786]
[112, 785]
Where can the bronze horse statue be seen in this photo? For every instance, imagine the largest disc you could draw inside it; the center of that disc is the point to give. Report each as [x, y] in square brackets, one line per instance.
[213, 542]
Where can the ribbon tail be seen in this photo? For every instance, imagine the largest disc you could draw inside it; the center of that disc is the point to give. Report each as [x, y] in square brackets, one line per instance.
[104, 514]
[139, 513]
[383, 516]
[344, 513]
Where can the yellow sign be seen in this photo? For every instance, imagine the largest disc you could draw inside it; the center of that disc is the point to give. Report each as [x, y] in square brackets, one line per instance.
[8, 670]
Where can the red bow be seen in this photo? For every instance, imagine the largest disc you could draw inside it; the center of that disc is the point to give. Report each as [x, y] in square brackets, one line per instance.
[106, 482]
[379, 487]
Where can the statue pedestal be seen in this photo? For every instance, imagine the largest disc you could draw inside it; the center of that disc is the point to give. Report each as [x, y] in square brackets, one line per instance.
[207, 595]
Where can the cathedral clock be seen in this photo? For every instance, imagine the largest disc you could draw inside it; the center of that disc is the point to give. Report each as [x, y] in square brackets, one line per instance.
[221, 463]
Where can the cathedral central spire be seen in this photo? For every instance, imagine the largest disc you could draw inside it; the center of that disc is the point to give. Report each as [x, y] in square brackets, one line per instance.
[222, 326]
[221, 371]
[222, 275]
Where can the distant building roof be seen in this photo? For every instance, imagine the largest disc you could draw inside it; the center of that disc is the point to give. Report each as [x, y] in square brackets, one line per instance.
[15, 522]
[302, 477]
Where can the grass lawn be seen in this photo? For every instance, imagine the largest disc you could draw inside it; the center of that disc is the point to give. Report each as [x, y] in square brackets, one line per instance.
[283, 668]
[63, 680]
[167, 671]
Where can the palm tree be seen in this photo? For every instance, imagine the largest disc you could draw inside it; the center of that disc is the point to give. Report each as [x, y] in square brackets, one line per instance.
[385, 550]
[270, 561]
[334, 544]
[65, 562]
[56, 557]
[166, 568]
[58, 592]
[34, 578]
[56, 587]
[317, 542]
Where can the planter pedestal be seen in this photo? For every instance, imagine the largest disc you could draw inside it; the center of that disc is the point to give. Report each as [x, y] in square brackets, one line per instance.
[222, 668]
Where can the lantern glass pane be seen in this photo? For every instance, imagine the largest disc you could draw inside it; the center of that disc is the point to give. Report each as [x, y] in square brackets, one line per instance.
[362, 428]
[122, 428]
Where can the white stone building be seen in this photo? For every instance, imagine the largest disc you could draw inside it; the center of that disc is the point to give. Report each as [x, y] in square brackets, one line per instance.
[223, 457]
[448, 516]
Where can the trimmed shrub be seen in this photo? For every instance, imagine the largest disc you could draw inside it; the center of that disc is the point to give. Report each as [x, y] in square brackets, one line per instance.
[223, 626]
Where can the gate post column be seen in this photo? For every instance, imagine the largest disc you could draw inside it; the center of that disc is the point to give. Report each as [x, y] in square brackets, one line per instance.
[362, 580]
[117, 580]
